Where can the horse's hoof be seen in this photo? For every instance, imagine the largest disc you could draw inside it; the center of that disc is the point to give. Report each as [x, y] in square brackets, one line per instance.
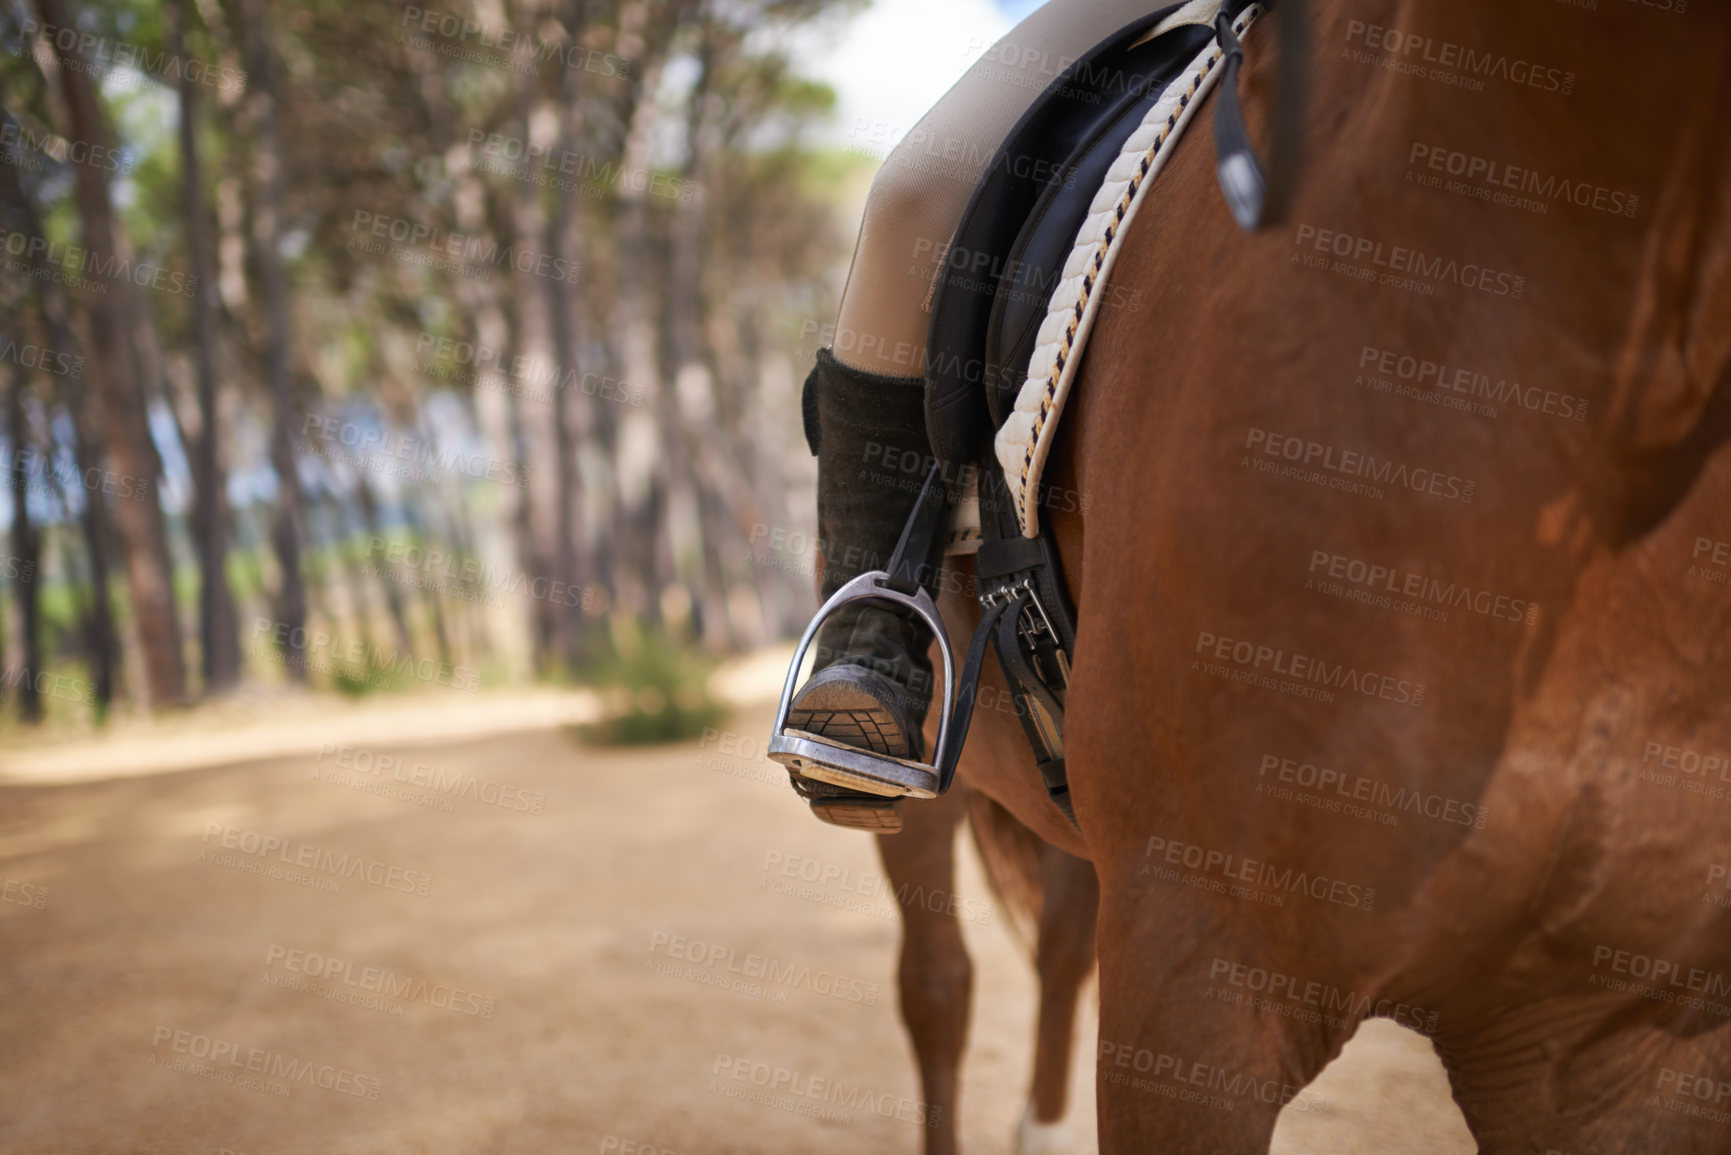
[1036, 1138]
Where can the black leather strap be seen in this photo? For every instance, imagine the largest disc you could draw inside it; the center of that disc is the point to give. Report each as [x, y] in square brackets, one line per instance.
[1030, 691]
[967, 692]
[1025, 682]
[915, 560]
[1239, 172]
[1031, 620]
[1057, 780]
[1256, 195]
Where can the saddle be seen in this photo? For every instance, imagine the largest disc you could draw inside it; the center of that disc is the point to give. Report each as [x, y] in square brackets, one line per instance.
[1021, 283]
[1007, 254]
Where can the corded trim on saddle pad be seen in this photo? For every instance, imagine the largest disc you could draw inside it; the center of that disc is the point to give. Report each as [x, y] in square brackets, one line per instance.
[1024, 440]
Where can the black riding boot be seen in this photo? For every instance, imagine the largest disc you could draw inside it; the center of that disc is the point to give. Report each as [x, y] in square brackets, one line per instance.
[872, 681]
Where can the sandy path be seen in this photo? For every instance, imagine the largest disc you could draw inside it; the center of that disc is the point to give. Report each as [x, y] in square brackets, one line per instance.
[152, 953]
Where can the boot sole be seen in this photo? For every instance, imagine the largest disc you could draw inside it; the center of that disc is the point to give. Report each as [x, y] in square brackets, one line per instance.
[843, 713]
[874, 815]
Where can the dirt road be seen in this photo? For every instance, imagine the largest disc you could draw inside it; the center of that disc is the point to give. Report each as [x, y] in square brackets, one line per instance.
[507, 944]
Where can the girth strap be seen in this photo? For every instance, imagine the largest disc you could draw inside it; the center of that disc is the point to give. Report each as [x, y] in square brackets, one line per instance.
[1037, 633]
[1026, 612]
[1037, 706]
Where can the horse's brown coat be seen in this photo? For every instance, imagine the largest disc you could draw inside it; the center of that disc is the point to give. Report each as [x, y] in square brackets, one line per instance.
[1506, 943]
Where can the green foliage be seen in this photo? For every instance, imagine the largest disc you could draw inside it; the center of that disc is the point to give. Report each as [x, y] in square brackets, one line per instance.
[375, 124]
[358, 683]
[654, 690]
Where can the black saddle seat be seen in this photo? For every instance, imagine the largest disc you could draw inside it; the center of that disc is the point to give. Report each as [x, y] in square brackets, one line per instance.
[1008, 253]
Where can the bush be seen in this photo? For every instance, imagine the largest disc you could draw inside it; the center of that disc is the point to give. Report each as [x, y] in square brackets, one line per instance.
[653, 690]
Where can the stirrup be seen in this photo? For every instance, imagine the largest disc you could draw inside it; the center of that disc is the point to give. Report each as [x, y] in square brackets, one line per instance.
[811, 756]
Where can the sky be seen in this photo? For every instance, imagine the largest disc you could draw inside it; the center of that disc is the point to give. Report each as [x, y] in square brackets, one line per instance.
[892, 62]
[888, 66]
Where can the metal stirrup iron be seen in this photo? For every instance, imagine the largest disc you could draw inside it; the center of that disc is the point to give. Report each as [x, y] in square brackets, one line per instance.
[849, 766]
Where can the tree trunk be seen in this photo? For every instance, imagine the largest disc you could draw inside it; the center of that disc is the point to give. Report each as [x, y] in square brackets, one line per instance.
[562, 242]
[420, 532]
[537, 404]
[383, 568]
[288, 519]
[646, 480]
[26, 564]
[219, 642]
[698, 417]
[95, 620]
[498, 543]
[101, 643]
[142, 525]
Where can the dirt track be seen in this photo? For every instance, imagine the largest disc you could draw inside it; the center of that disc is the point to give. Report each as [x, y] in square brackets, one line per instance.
[156, 968]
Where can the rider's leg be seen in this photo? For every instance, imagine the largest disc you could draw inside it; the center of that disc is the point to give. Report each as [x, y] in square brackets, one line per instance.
[872, 680]
[919, 194]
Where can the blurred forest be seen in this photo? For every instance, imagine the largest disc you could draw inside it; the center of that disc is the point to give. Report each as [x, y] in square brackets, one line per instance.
[366, 344]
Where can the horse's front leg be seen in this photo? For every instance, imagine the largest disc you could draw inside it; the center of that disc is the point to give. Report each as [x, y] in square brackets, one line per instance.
[1178, 1073]
[936, 973]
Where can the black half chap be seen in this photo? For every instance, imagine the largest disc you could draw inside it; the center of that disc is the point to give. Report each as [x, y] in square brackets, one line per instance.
[869, 432]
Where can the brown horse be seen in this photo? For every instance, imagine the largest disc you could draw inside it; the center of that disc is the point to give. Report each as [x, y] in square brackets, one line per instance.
[1403, 671]
[1035, 882]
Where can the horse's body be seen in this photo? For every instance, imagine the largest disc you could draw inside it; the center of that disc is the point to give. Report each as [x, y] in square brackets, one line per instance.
[1534, 873]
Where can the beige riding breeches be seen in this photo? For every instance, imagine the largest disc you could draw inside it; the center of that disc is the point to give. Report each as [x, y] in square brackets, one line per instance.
[919, 194]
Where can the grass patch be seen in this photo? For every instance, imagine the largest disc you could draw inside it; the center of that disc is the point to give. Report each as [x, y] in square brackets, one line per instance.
[654, 691]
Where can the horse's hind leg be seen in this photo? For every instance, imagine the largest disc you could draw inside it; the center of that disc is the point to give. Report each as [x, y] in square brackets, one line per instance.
[1064, 958]
[936, 974]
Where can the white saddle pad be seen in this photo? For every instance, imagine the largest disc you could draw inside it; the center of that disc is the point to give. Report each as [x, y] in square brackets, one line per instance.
[1025, 439]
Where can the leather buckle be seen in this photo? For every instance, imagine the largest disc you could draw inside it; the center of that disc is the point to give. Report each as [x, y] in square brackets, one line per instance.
[1034, 628]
